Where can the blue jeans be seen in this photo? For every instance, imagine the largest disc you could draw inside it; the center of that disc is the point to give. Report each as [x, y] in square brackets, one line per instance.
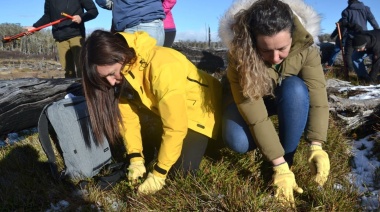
[292, 107]
[358, 62]
[334, 54]
[336, 50]
[155, 29]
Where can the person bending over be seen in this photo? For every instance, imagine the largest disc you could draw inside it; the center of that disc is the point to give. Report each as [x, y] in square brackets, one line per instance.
[126, 73]
[274, 67]
[366, 44]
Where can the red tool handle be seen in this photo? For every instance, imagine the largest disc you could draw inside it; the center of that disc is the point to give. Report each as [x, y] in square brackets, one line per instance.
[49, 24]
[67, 15]
[11, 38]
[342, 50]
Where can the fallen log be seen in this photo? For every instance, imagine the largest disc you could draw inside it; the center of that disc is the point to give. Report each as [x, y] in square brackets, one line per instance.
[22, 100]
[359, 114]
[339, 104]
[346, 98]
[363, 123]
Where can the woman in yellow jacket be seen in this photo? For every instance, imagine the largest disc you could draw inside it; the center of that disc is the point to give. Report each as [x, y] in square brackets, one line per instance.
[126, 72]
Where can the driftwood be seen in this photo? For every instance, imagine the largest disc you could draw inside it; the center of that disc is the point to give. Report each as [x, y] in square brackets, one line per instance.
[356, 113]
[341, 93]
[353, 105]
[22, 100]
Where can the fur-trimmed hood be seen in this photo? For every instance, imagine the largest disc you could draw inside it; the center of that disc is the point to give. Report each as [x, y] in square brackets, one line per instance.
[309, 18]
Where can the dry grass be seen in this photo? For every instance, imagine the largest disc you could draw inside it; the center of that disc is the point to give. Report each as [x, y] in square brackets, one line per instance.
[29, 68]
[227, 181]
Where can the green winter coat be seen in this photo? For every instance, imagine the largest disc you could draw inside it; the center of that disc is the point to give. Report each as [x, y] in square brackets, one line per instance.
[303, 61]
[172, 87]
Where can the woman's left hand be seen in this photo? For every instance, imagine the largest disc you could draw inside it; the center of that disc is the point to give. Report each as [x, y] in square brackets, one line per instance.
[319, 164]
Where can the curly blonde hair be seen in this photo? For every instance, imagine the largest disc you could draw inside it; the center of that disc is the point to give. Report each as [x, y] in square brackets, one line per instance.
[264, 17]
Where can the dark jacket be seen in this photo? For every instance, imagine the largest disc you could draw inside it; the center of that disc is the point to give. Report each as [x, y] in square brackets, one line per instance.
[130, 13]
[335, 33]
[67, 29]
[373, 48]
[358, 13]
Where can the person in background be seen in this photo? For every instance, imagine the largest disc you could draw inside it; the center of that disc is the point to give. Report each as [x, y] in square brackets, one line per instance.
[169, 25]
[356, 13]
[337, 47]
[125, 73]
[131, 16]
[274, 68]
[69, 35]
[367, 44]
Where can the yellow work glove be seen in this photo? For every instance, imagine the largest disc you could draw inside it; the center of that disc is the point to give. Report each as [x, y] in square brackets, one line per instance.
[136, 170]
[285, 183]
[319, 163]
[151, 185]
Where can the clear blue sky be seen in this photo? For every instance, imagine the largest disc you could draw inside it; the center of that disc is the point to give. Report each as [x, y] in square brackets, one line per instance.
[192, 17]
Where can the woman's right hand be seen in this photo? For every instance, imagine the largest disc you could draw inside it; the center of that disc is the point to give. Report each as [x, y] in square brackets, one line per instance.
[29, 28]
[285, 183]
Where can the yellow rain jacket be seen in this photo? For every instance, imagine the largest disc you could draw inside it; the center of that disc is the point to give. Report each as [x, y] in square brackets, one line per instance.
[172, 87]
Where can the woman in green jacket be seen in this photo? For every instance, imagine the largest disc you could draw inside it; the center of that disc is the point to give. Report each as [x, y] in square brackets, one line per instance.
[125, 73]
[274, 68]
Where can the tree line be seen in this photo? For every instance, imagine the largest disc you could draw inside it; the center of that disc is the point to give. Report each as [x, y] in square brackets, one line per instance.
[42, 42]
[39, 43]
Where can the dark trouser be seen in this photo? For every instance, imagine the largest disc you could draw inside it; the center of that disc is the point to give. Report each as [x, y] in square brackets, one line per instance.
[348, 51]
[193, 149]
[69, 54]
[169, 38]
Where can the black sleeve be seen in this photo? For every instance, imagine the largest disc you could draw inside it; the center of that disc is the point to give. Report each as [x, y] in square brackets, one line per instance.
[371, 19]
[45, 19]
[91, 10]
[334, 33]
[352, 26]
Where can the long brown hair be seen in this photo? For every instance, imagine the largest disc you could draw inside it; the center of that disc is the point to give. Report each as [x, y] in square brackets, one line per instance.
[104, 48]
[264, 17]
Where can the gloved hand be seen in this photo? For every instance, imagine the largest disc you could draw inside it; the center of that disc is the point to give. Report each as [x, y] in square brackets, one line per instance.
[136, 170]
[285, 182]
[151, 185]
[319, 163]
